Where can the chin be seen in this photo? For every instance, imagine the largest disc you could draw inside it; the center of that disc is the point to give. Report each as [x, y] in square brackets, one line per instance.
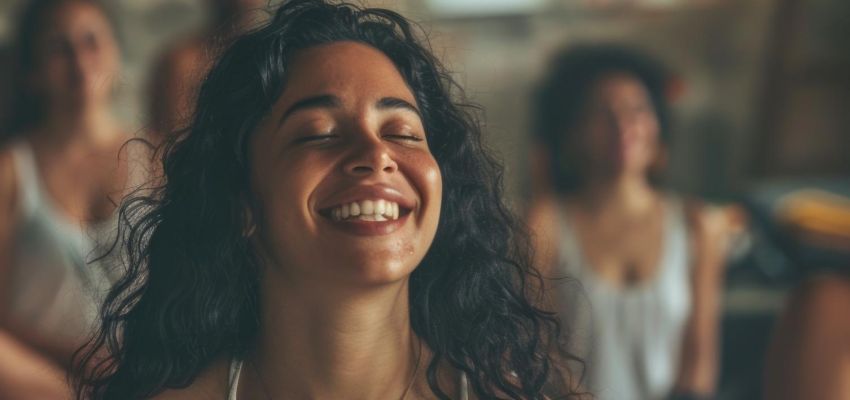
[374, 268]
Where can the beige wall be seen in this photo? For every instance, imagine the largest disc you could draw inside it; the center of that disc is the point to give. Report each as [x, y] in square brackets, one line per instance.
[716, 46]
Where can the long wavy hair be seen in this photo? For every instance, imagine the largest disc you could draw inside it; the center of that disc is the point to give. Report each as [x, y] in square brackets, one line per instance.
[189, 295]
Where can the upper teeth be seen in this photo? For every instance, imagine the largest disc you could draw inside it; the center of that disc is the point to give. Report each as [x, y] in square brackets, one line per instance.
[369, 210]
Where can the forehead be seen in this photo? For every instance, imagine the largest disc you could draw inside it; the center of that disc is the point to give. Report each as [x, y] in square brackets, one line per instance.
[74, 14]
[352, 71]
[619, 84]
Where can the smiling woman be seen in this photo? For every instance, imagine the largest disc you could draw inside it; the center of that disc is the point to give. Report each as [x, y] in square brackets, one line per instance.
[330, 226]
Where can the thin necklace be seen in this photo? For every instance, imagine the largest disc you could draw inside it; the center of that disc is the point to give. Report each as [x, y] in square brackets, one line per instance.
[403, 394]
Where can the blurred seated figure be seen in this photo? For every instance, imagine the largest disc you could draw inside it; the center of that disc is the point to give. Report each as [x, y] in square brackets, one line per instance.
[809, 355]
[179, 72]
[61, 175]
[649, 261]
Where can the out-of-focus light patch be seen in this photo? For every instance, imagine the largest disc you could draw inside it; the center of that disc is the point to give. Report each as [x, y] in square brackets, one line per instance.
[639, 3]
[483, 7]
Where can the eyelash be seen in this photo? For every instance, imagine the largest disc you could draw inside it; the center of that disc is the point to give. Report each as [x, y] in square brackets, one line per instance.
[324, 138]
[315, 138]
[412, 138]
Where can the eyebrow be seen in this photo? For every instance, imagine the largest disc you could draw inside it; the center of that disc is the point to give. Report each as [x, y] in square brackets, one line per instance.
[331, 101]
[321, 101]
[388, 103]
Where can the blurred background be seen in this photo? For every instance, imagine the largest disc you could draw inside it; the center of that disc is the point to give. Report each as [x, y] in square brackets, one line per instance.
[760, 105]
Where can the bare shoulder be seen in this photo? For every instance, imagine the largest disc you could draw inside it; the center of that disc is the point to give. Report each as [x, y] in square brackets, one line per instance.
[542, 220]
[707, 221]
[811, 343]
[816, 318]
[820, 305]
[212, 384]
[542, 214]
[711, 228]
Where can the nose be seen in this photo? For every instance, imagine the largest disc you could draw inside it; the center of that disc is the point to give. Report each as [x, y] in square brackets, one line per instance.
[621, 125]
[370, 156]
[75, 59]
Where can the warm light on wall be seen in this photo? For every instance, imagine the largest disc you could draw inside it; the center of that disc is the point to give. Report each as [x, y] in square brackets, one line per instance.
[483, 7]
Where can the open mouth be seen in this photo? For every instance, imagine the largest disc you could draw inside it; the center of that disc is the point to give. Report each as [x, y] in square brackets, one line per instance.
[376, 210]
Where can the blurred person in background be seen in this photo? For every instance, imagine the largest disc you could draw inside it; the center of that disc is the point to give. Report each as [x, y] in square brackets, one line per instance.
[60, 178]
[809, 352]
[179, 72]
[649, 262]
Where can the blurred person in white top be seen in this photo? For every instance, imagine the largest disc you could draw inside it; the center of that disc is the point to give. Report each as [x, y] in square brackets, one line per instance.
[61, 175]
[648, 261]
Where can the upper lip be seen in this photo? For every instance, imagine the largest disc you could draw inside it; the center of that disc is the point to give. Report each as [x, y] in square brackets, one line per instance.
[367, 192]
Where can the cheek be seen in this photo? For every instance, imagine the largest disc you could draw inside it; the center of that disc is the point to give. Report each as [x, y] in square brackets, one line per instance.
[55, 68]
[54, 78]
[429, 181]
[434, 180]
[423, 174]
[649, 135]
[275, 187]
[294, 183]
[594, 144]
[108, 61]
[283, 193]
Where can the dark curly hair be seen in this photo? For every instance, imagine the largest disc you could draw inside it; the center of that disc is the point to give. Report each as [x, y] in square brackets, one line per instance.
[560, 99]
[189, 295]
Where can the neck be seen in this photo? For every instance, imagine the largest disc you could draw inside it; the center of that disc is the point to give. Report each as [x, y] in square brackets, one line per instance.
[629, 195]
[321, 343]
[79, 127]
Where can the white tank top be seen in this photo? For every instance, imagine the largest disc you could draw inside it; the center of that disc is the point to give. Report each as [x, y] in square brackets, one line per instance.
[629, 337]
[55, 291]
[236, 370]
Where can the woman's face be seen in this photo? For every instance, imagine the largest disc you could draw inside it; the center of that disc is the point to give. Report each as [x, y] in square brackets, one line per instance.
[77, 56]
[347, 186]
[619, 130]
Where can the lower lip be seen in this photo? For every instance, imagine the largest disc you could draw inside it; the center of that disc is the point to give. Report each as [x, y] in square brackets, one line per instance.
[370, 228]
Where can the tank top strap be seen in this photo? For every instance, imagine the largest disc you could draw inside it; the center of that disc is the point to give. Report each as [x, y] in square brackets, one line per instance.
[676, 243]
[233, 378]
[464, 386]
[28, 179]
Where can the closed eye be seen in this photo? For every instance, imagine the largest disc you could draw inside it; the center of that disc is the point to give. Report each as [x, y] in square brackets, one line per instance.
[412, 138]
[315, 138]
